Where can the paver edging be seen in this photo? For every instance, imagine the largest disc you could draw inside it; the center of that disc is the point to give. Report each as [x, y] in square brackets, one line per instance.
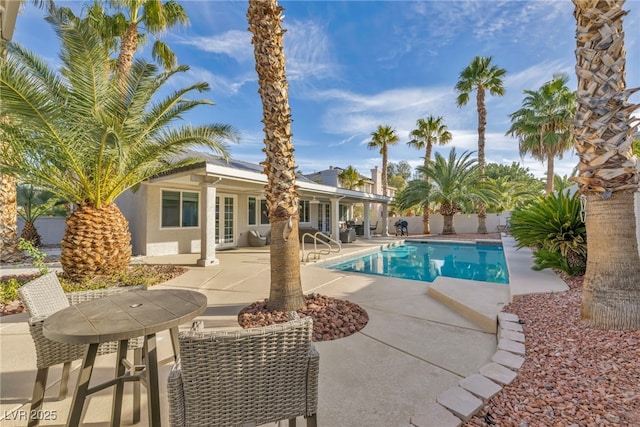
[510, 323]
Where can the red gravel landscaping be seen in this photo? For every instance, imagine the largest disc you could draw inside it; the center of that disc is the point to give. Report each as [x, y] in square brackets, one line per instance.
[573, 375]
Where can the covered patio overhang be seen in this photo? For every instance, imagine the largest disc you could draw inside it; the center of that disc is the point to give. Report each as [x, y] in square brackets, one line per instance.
[248, 179]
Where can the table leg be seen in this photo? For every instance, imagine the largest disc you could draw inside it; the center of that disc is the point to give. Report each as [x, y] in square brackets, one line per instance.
[116, 410]
[80, 394]
[175, 343]
[153, 386]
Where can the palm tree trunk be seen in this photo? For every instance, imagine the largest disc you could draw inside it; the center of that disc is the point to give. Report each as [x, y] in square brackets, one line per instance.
[128, 48]
[482, 125]
[550, 174]
[385, 207]
[9, 251]
[608, 173]
[96, 241]
[611, 290]
[264, 18]
[426, 220]
[448, 225]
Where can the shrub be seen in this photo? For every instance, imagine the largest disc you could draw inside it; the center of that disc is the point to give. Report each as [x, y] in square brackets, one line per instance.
[553, 227]
[9, 290]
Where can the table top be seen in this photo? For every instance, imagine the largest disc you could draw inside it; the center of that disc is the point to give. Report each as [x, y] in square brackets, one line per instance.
[123, 316]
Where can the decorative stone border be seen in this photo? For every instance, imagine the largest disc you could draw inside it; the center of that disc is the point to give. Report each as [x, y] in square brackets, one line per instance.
[463, 401]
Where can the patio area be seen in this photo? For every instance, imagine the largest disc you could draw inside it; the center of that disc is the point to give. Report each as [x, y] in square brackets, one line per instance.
[413, 348]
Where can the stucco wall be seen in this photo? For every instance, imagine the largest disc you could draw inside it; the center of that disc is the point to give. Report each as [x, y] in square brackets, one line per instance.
[463, 223]
[50, 228]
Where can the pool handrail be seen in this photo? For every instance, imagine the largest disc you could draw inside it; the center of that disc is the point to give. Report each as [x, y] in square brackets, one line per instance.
[319, 237]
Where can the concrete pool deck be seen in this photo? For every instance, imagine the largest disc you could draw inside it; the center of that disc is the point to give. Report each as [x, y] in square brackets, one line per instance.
[412, 350]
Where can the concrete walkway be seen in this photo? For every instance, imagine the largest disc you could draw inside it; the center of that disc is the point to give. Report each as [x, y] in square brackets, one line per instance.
[413, 348]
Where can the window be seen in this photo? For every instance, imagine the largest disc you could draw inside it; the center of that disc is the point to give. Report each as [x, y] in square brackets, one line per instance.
[180, 208]
[258, 213]
[304, 211]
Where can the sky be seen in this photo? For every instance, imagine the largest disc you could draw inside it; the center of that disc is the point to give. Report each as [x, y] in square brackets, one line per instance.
[354, 65]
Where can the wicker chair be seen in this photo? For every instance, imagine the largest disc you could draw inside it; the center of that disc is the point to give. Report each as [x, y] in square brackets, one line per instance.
[253, 376]
[44, 296]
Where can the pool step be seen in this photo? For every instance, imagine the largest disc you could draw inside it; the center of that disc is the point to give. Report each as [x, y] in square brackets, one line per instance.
[477, 301]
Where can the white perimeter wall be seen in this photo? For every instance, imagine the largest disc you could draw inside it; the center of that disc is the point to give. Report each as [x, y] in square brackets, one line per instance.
[463, 223]
[51, 229]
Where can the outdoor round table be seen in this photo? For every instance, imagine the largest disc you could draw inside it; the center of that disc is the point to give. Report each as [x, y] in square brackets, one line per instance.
[119, 318]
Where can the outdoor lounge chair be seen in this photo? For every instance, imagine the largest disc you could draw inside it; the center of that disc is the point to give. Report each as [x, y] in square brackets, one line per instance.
[373, 228]
[256, 239]
[252, 376]
[44, 296]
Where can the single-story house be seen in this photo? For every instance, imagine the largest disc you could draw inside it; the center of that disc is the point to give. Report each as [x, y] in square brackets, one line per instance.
[213, 205]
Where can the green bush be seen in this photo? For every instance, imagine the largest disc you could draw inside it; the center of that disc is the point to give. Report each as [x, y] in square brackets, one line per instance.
[9, 290]
[553, 227]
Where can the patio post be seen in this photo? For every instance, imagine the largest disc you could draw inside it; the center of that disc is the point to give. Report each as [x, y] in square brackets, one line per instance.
[208, 225]
[367, 220]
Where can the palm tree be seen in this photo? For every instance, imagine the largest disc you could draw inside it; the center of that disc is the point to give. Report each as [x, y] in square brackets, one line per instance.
[607, 172]
[542, 124]
[350, 178]
[155, 17]
[34, 203]
[453, 186]
[427, 132]
[380, 140]
[480, 76]
[511, 193]
[88, 140]
[122, 31]
[264, 18]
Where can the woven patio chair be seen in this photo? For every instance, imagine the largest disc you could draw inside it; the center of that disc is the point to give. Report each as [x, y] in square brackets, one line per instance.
[41, 298]
[248, 377]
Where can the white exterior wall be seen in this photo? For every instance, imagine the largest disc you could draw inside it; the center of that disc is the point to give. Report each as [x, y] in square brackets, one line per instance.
[463, 223]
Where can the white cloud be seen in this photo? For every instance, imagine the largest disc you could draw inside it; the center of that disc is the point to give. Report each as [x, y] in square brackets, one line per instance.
[308, 51]
[233, 43]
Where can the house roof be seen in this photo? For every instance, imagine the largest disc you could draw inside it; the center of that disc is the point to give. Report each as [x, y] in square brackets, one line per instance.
[238, 176]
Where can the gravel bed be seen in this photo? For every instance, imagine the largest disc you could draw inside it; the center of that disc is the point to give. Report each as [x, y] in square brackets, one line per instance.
[573, 375]
[333, 318]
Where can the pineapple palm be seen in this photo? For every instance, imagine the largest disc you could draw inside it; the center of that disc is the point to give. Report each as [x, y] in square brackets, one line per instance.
[381, 139]
[265, 18]
[607, 168]
[453, 186]
[427, 132]
[83, 136]
[34, 203]
[480, 75]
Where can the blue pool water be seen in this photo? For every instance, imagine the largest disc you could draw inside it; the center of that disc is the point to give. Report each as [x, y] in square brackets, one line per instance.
[427, 260]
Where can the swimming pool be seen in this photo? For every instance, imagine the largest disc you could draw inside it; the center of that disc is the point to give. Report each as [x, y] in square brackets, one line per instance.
[427, 260]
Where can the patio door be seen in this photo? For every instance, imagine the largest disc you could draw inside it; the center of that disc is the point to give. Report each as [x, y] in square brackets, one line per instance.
[226, 222]
[324, 217]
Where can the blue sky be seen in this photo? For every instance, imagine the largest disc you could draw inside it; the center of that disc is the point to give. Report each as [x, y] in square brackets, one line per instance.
[353, 65]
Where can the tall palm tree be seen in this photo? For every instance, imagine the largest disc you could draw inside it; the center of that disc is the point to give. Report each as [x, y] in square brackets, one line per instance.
[265, 18]
[350, 178]
[155, 17]
[453, 186]
[427, 132]
[88, 140]
[607, 169]
[480, 76]
[542, 124]
[381, 139]
[130, 26]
